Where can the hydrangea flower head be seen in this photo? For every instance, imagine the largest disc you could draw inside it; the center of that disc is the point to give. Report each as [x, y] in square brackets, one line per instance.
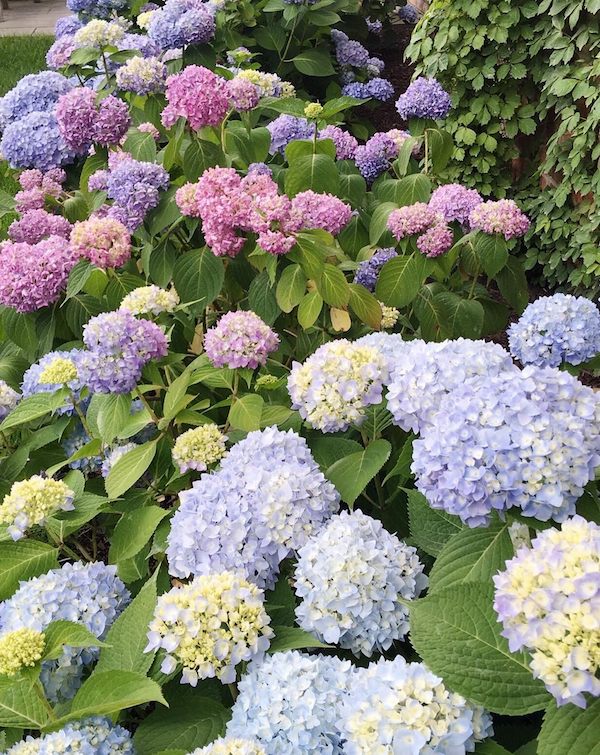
[209, 626]
[374, 157]
[95, 8]
[268, 497]
[368, 271]
[82, 121]
[67, 26]
[345, 143]
[380, 89]
[33, 276]
[240, 339]
[60, 371]
[99, 33]
[502, 217]
[20, 649]
[142, 75]
[198, 448]
[335, 385]
[287, 128]
[389, 316]
[181, 22]
[424, 98]
[548, 601]
[35, 142]
[198, 95]
[150, 300]
[289, 703]
[9, 398]
[436, 240]
[231, 746]
[36, 225]
[134, 186]
[103, 241]
[34, 93]
[395, 706]
[91, 595]
[556, 329]
[242, 93]
[94, 735]
[30, 502]
[349, 52]
[31, 379]
[349, 577]
[412, 219]
[455, 203]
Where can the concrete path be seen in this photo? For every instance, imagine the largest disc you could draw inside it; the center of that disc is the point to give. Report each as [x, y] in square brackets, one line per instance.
[27, 17]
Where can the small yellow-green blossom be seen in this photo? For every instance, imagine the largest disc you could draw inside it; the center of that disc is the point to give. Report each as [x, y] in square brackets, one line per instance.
[150, 300]
[266, 383]
[313, 110]
[23, 647]
[389, 316]
[231, 746]
[199, 447]
[32, 502]
[59, 371]
[287, 90]
[144, 19]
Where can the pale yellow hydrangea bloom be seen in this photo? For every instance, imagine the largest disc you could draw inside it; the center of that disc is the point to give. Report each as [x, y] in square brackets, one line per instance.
[23, 647]
[144, 19]
[389, 316]
[32, 501]
[313, 110]
[150, 300]
[199, 447]
[59, 371]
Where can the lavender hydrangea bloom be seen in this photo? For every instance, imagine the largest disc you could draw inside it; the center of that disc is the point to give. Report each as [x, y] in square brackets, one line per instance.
[368, 271]
[349, 52]
[35, 142]
[351, 578]
[67, 26]
[429, 371]
[289, 703]
[527, 439]
[60, 52]
[380, 89]
[31, 379]
[424, 98]
[265, 501]
[455, 202]
[35, 93]
[142, 75]
[94, 735]
[345, 143]
[287, 128]
[240, 339]
[556, 329]
[408, 13]
[374, 157]
[181, 22]
[96, 8]
[134, 186]
[356, 89]
[91, 595]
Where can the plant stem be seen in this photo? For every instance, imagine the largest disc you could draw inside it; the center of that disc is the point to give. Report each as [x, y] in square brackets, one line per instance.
[40, 693]
[81, 416]
[426, 142]
[289, 42]
[475, 277]
[149, 409]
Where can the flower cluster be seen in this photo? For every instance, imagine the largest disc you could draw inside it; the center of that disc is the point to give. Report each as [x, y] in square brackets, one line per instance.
[20, 649]
[424, 98]
[35, 186]
[95, 8]
[556, 329]
[9, 398]
[35, 93]
[99, 33]
[455, 203]
[374, 157]
[198, 95]
[502, 217]
[33, 384]
[35, 142]
[33, 276]
[352, 54]
[350, 577]
[367, 273]
[240, 339]
[91, 595]
[288, 128]
[73, 443]
[527, 439]
[104, 241]
[242, 93]
[377, 88]
[119, 346]
[198, 448]
[81, 121]
[32, 501]
[289, 703]
[267, 84]
[266, 500]
[209, 626]
[336, 384]
[548, 600]
[181, 22]
[435, 236]
[150, 300]
[142, 75]
[345, 143]
[424, 373]
[231, 746]
[36, 225]
[395, 706]
[94, 735]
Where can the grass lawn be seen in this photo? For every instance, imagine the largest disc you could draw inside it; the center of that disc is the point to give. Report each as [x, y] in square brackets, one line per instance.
[18, 56]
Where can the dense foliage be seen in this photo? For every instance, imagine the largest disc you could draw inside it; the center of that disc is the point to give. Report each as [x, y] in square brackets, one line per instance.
[265, 489]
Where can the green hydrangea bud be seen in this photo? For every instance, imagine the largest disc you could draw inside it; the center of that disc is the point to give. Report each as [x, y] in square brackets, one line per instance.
[199, 447]
[267, 383]
[313, 110]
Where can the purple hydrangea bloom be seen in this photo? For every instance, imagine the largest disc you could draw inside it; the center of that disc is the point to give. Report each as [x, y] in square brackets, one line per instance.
[345, 143]
[375, 66]
[112, 121]
[260, 169]
[374, 26]
[380, 89]
[368, 271]
[408, 13]
[287, 128]
[60, 52]
[240, 339]
[89, 9]
[67, 26]
[31, 379]
[357, 90]
[35, 225]
[181, 22]
[455, 203]
[35, 93]
[349, 52]
[139, 42]
[374, 157]
[424, 98]
[134, 186]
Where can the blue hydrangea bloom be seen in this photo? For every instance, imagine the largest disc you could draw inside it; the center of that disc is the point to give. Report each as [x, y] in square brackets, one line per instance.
[89, 594]
[134, 186]
[35, 93]
[424, 98]
[96, 8]
[368, 271]
[263, 504]
[34, 141]
[289, 703]
[380, 89]
[556, 329]
[94, 735]
[526, 439]
[408, 13]
[181, 22]
[31, 378]
[67, 26]
[287, 128]
[356, 89]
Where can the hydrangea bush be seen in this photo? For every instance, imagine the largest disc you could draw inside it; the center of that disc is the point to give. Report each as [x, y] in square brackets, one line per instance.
[264, 487]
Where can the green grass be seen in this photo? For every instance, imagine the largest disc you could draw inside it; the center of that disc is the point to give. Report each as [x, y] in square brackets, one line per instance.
[19, 56]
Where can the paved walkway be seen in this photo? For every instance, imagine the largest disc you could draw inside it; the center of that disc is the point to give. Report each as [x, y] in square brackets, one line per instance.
[27, 17]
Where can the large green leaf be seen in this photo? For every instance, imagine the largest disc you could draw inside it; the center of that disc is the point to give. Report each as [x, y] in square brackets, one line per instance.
[464, 317]
[570, 730]
[245, 413]
[430, 528]
[309, 309]
[293, 638]
[262, 299]
[314, 63]
[378, 226]
[513, 284]
[22, 561]
[351, 474]
[291, 287]
[112, 415]
[316, 172]
[198, 276]
[61, 633]
[133, 530]
[20, 706]
[129, 468]
[413, 188]
[20, 328]
[457, 634]
[34, 407]
[400, 280]
[200, 156]
[365, 306]
[333, 286]
[492, 252]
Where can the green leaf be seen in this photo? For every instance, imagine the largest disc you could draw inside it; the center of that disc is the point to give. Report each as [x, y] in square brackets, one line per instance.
[513, 284]
[316, 172]
[7, 203]
[262, 300]
[378, 225]
[314, 63]
[93, 448]
[352, 474]
[569, 730]
[133, 530]
[464, 317]
[198, 276]
[270, 37]
[20, 706]
[293, 638]
[291, 287]
[309, 309]
[176, 398]
[432, 315]
[400, 280]
[413, 188]
[78, 277]
[110, 692]
[61, 633]
[310, 255]
[87, 506]
[20, 328]
[22, 561]
[245, 412]
[459, 623]
[472, 555]
[430, 528]
[112, 415]
[34, 407]
[79, 309]
[327, 451]
[200, 156]
[333, 286]
[492, 252]
[126, 639]
[141, 146]
[301, 147]
[365, 306]
[129, 468]
[489, 747]
[441, 147]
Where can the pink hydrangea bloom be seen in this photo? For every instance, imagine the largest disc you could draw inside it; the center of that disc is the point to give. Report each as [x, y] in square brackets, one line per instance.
[436, 240]
[36, 225]
[31, 179]
[455, 202]
[345, 143]
[324, 211]
[415, 218]
[503, 217]
[240, 339]
[81, 121]
[150, 128]
[33, 276]
[242, 93]
[198, 95]
[104, 241]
